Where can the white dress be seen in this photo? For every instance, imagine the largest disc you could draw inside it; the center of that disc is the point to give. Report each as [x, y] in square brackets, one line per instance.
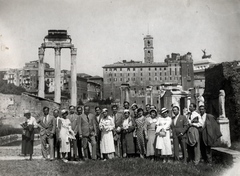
[106, 126]
[164, 143]
[64, 135]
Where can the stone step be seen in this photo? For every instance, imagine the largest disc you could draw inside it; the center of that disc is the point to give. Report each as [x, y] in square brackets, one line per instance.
[226, 154]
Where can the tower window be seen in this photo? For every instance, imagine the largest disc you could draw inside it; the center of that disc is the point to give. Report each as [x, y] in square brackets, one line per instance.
[155, 73]
[155, 78]
[149, 79]
[149, 43]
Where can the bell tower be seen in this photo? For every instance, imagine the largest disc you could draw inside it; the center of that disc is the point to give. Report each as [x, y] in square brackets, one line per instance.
[148, 49]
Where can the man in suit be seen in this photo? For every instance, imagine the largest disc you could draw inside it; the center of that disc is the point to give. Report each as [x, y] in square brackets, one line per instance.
[118, 120]
[194, 120]
[47, 130]
[87, 132]
[209, 133]
[75, 127]
[79, 141]
[56, 135]
[179, 128]
[98, 132]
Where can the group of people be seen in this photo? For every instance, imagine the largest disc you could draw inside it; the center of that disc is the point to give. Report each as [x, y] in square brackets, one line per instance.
[77, 134]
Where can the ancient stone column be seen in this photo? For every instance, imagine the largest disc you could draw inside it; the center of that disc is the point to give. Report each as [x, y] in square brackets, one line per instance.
[41, 81]
[151, 97]
[57, 85]
[73, 77]
[127, 94]
[188, 102]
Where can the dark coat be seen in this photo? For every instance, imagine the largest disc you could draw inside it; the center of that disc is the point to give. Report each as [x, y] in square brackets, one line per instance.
[180, 127]
[87, 128]
[211, 131]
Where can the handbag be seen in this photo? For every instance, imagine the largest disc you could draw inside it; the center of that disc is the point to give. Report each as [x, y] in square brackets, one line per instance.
[162, 133]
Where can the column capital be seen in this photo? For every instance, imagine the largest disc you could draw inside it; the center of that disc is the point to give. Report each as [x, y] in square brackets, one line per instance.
[57, 51]
[41, 51]
[73, 51]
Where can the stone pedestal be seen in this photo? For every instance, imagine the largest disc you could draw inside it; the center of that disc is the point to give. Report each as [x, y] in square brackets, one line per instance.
[225, 130]
[125, 93]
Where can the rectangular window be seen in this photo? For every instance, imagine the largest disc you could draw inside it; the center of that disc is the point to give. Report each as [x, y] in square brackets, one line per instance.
[115, 74]
[128, 74]
[115, 69]
[156, 74]
[110, 79]
[149, 74]
[120, 69]
[128, 69]
[120, 74]
[149, 68]
[160, 73]
[133, 69]
[149, 79]
[133, 74]
[170, 71]
[175, 71]
[165, 73]
[164, 68]
[120, 79]
[141, 74]
[110, 69]
[141, 79]
[140, 69]
[155, 78]
[106, 69]
[155, 68]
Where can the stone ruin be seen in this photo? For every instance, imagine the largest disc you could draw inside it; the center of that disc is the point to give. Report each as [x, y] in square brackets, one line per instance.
[222, 95]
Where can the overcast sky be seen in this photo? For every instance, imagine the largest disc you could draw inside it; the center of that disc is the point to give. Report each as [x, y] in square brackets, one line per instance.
[105, 31]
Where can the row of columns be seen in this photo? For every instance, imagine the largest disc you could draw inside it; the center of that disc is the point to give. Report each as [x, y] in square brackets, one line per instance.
[57, 85]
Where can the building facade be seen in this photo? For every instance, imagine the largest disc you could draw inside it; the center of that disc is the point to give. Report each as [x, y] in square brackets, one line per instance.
[175, 70]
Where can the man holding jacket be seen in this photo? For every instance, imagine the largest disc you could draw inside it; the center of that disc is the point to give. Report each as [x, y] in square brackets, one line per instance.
[209, 134]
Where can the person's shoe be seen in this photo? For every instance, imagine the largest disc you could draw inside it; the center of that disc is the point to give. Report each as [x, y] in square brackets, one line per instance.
[164, 161]
[124, 155]
[141, 156]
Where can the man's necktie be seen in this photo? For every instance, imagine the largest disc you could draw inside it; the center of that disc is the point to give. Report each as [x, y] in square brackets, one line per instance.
[88, 118]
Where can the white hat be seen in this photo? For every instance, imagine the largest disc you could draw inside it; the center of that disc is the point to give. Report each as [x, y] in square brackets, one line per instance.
[63, 111]
[104, 110]
[163, 110]
[126, 110]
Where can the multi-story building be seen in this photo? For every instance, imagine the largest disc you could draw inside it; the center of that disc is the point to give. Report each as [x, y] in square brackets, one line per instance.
[13, 76]
[175, 70]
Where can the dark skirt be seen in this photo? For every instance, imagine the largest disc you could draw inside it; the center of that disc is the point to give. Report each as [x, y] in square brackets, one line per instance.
[128, 143]
[27, 145]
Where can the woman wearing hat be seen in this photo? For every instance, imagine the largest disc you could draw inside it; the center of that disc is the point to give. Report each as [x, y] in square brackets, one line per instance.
[28, 134]
[150, 133]
[106, 126]
[127, 128]
[65, 134]
[163, 142]
[140, 122]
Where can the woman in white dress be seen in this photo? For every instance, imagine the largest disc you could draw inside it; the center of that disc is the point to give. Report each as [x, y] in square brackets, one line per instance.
[106, 126]
[65, 134]
[163, 142]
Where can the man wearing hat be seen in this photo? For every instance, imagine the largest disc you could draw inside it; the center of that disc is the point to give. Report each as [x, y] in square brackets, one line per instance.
[47, 130]
[179, 128]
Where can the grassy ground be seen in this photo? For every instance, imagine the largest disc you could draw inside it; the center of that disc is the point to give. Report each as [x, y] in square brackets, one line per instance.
[115, 167]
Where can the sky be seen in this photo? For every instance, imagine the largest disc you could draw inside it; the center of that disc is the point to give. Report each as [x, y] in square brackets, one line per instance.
[108, 31]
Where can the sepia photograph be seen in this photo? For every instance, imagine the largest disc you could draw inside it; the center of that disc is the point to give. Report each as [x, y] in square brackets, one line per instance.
[120, 87]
